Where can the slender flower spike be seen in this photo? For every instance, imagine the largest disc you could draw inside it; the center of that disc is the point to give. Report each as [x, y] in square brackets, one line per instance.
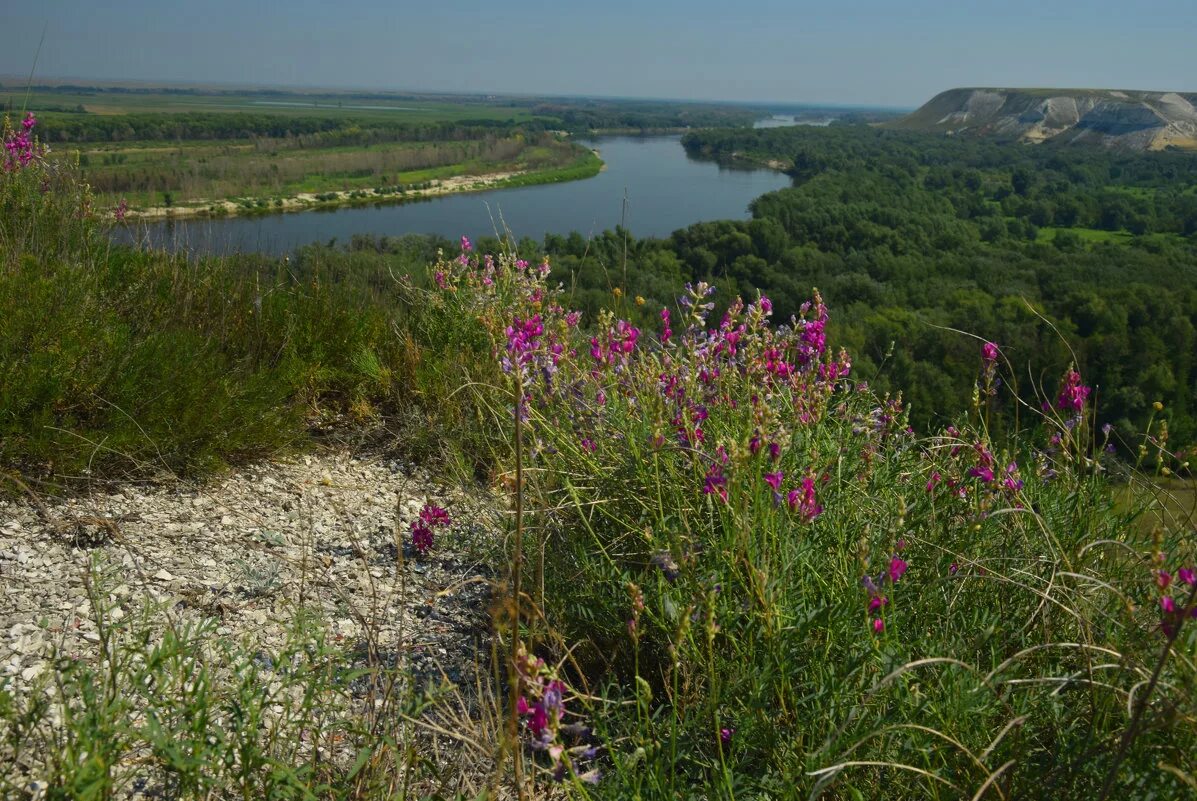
[1073, 393]
[466, 245]
[802, 500]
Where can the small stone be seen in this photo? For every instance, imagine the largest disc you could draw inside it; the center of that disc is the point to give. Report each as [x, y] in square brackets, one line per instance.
[164, 575]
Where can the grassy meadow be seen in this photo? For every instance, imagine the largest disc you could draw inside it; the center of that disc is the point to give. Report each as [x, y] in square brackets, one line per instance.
[262, 147]
[146, 174]
[731, 569]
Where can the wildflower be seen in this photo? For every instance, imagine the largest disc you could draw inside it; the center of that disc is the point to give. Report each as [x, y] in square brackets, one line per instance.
[935, 478]
[522, 338]
[466, 245]
[877, 602]
[989, 352]
[668, 567]
[121, 209]
[666, 331]
[1167, 604]
[774, 480]
[897, 568]
[1186, 575]
[725, 735]
[1073, 393]
[434, 516]
[802, 501]
[431, 517]
[878, 625]
[1163, 579]
[1012, 482]
[952, 568]
[983, 473]
[421, 537]
[716, 482]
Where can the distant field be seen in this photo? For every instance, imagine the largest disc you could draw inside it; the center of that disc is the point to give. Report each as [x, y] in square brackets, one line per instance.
[52, 104]
[152, 173]
[1047, 233]
[188, 147]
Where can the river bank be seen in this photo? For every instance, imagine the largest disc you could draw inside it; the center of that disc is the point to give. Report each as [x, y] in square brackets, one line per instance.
[588, 166]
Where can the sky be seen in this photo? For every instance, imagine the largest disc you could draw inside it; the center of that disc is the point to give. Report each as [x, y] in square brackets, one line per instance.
[853, 52]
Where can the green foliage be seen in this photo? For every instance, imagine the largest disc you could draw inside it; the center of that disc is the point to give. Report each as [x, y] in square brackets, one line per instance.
[155, 363]
[946, 616]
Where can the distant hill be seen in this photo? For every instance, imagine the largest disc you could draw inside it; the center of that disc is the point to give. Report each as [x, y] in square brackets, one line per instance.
[1135, 120]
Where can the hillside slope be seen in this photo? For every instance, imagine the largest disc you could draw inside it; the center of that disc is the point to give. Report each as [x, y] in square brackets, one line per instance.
[1129, 119]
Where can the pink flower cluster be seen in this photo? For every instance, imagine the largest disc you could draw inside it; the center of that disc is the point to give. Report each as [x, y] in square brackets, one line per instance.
[542, 706]
[1073, 393]
[874, 587]
[615, 345]
[20, 147]
[431, 518]
[1172, 612]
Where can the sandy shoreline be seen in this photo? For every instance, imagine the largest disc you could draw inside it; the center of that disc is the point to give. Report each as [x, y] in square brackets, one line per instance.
[310, 200]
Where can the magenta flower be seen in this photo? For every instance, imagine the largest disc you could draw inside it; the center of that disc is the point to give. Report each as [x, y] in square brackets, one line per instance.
[725, 735]
[802, 500]
[1187, 576]
[466, 245]
[1163, 579]
[434, 516]
[1168, 605]
[877, 602]
[1073, 393]
[878, 625]
[897, 568]
[421, 537]
[989, 352]
[983, 473]
[431, 517]
[716, 482]
[774, 480]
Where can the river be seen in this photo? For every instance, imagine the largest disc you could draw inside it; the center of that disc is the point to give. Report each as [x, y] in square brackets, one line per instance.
[666, 190]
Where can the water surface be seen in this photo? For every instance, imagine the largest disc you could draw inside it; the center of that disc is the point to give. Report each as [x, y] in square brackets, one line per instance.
[665, 189]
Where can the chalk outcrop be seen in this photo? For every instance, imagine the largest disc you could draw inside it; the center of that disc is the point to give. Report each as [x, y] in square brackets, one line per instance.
[1135, 120]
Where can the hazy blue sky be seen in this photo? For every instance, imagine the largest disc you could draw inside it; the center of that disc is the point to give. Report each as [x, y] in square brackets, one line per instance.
[845, 51]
